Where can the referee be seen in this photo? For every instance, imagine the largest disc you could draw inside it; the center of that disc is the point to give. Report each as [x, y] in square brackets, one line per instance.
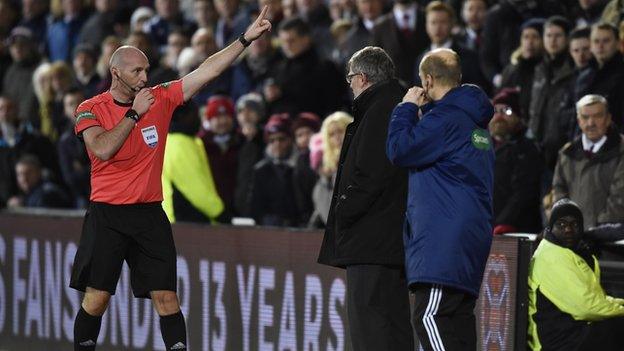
[125, 131]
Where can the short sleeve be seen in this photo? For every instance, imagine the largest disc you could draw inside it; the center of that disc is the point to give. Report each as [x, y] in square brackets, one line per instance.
[171, 94]
[85, 118]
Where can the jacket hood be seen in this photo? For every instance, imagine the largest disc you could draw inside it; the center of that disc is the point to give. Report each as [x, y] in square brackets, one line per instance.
[472, 100]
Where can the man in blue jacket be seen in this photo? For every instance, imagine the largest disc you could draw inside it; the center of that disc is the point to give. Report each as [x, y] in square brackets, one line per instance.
[448, 153]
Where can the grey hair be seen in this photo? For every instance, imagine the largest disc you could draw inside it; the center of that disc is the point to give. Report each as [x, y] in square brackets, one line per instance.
[591, 99]
[374, 63]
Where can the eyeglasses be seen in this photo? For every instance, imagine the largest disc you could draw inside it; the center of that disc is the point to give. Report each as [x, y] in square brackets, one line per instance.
[507, 111]
[351, 75]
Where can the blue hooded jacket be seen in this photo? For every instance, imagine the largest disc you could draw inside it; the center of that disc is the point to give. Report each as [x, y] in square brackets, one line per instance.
[450, 158]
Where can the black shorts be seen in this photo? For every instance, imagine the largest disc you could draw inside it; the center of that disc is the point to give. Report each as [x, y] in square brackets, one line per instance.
[140, 234]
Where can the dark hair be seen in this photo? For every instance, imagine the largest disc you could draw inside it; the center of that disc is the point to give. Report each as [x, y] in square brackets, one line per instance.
[439, 6]
[606, 26]
[579, 33]
[560, 22]
[29, 159]
[297, 24]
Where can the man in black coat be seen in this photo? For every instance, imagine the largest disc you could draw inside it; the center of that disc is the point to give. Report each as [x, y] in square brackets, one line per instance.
[605, 73]
[364, 227]
[402, 34]
[518, 169]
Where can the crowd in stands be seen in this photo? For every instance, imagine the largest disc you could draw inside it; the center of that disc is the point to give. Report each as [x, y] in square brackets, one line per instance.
[263, 140]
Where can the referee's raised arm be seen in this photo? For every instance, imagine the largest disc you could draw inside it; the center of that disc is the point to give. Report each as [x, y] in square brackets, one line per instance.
[214, 65]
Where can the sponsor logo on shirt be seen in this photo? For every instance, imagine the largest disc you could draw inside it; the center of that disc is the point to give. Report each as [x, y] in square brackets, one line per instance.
[481, 139]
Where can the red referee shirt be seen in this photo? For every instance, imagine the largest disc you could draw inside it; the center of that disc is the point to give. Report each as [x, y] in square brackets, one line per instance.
[133, 174]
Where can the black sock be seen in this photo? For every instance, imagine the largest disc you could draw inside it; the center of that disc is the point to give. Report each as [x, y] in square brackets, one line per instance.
[173, 329]
[86, 331]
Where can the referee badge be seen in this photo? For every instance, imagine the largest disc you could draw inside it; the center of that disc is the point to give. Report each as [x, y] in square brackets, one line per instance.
[150, 136]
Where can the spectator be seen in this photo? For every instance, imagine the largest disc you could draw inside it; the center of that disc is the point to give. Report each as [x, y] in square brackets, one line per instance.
[189, 192]
[63, 31]
[361, 33]
[42, 87]
[109, 45]
[289, 9]
[590, 170]
[332, 135]
[402, 34]
[166, 71]
[142, 41]
[502, 31]
[519, 73]
[140, 18]
[255, 67]
[568, 307]
[85, 74]
[233, 20]
[17, 84]
[316, 16]
[275, 13]
[605, 73]
[73, 158]
[222, 144]
[588, 12]
[613, 12]
[250, 113]
[8, 17]
[473, 15]
[168, 17]
[551, 124]
[20, 139]
[306, 82]
[304, 126]
[100, 24]
[204, 45]
[34, 17]
[440, 18]
[205, 14]
[580, 48]
[273, 192]
[517, 169]
[61, 79]
[34, 190]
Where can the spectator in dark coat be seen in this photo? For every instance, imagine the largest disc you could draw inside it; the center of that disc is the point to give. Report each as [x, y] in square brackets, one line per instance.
[551, 123]
[517, 169]
[303, 127]
[473, 16]
[587, 12]
[20, 139]
[605, 73]
[100, 24]
[519, 73]
[85, 74]
[401, 33]
[249, 74]
[316, 15]
[274, 192]
[306, 82]
[222, 144]
[17, 83]
[233, 20]
[73, 158]
[440, 18]
[63, 32]
[580, 48]
[168, 18]
[34, 190]
[365, 221]
[250, 112]
[501, 32]
[361, 33]
[34, 17]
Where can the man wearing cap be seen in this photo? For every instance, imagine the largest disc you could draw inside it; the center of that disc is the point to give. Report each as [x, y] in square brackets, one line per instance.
[590, 169]
[274, 195]
[517, 169]
[222, 143]
[17, 82]
[568, 308]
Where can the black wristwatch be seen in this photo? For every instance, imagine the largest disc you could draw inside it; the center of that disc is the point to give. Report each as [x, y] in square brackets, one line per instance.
[133, 115]
[243, 41]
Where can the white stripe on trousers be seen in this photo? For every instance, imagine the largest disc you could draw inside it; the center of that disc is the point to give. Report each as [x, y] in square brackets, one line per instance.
[435, 296]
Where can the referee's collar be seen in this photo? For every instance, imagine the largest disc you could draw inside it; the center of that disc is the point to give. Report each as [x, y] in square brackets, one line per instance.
[119, 103]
